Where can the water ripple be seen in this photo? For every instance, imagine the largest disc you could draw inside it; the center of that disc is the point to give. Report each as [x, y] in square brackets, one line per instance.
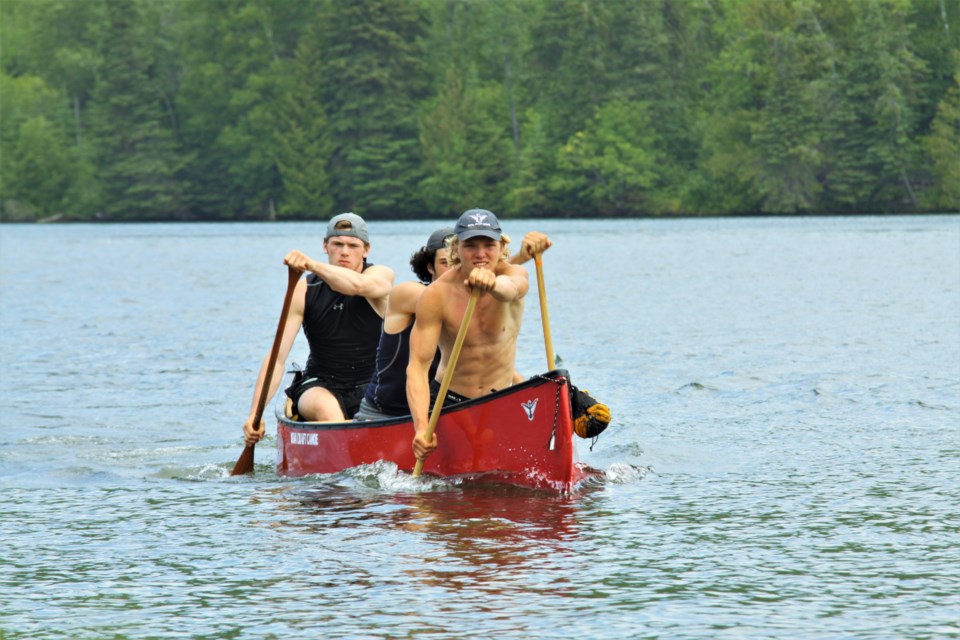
[782, 462]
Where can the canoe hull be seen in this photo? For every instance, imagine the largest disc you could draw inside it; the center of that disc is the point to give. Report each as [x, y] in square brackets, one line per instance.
[521, 435]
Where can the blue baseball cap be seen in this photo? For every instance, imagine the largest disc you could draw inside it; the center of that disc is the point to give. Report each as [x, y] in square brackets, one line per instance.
[477, 222]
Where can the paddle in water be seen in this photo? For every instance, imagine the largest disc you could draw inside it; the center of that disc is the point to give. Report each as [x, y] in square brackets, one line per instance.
[245, 461]
[448, 374]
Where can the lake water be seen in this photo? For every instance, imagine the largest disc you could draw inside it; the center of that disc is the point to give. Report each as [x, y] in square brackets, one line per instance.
[784, 460]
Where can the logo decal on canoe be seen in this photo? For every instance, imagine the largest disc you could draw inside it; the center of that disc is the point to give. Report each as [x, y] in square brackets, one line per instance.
[303, 438]
[530, 406]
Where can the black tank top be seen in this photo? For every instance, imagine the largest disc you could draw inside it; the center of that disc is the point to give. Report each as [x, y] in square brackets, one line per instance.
[387, 391]
[342, 332]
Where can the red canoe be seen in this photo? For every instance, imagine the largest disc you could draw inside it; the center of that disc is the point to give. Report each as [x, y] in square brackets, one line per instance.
[522, 435]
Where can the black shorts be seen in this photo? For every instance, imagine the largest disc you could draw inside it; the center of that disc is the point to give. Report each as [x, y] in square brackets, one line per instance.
[451, 398]
[348, 396]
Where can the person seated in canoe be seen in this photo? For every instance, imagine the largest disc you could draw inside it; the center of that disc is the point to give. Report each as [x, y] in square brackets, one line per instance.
[340, 306]
[386, 395]
[479, 260]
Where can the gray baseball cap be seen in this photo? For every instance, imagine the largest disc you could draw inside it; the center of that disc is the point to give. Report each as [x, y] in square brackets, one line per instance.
[437, 239]
[350, 225]
[478, 222]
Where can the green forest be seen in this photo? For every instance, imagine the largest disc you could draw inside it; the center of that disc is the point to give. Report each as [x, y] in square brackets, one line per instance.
[179, 110]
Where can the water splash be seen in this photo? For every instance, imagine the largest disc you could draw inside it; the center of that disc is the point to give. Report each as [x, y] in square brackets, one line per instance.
[622, 473]
[386, 476]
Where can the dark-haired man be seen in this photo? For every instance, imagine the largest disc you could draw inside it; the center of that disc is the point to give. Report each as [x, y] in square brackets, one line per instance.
[386, 394]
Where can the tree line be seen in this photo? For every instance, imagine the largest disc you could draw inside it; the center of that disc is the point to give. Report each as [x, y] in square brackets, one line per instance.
[298, 109]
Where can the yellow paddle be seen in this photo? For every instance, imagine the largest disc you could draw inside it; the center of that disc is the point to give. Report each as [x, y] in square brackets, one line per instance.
[245, 461]
[448, 374]
[547, 339]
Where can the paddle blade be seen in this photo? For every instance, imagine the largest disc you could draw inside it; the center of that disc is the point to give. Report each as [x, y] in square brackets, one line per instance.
[244, 462]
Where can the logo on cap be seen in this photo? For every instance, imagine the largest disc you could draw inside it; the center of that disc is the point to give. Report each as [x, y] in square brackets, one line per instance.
[479, 219]
[478, 222]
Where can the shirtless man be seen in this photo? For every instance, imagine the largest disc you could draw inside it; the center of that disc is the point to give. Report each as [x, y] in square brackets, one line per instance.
[340, 305]
[479, 260]
[386, 395]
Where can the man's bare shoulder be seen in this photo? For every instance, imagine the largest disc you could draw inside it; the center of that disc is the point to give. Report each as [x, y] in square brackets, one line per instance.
[404, 296]
[409, 287]
[436, 291]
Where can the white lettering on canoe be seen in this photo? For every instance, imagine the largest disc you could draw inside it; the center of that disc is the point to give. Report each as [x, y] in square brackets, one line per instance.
[303, 438]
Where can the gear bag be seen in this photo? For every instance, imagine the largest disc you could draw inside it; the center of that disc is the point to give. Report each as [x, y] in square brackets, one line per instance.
[590, 418]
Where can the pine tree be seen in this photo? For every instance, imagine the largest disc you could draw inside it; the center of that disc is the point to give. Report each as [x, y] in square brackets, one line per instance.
[786, 158]
[466, 145]
[943, 148]
[303, 145]
[373, 79]
[871, 132]
[587, 55]
[136, 151]
[235, 56]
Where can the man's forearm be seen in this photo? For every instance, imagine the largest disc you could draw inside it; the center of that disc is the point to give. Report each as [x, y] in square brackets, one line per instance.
[340, 279]
[505, 289]
[418, 400]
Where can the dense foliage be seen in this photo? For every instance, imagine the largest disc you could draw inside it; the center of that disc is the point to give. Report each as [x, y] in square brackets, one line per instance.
[296, 109]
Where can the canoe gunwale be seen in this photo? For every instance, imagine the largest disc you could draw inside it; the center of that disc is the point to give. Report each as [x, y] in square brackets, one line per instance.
[556, 376]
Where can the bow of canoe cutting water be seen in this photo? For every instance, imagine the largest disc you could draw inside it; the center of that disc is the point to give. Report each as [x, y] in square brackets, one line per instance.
[782, 462]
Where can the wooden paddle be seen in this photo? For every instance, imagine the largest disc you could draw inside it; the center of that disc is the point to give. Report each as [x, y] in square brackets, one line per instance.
[245, 461]
[547, 339]
[448, 374]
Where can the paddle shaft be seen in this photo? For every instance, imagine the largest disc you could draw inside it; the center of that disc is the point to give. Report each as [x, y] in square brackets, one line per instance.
[547, 338]
[448, 373]
[245, 461]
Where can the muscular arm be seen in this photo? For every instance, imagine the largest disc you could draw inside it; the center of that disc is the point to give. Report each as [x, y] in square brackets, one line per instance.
[252, 433]
[423, 345]
[511, 283]
[401, 306]
[374, 283]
